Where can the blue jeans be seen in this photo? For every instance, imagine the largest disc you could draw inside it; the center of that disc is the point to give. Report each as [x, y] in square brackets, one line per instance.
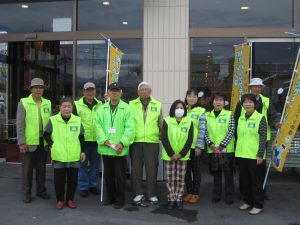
[89, 169]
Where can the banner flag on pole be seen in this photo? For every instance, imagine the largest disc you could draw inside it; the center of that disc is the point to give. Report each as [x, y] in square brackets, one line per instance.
[290, 121]
[115, 58]
[241, 73]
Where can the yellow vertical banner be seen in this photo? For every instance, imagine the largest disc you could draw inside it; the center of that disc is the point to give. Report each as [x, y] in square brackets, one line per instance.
[240, 74]
[290, 122]
[115, 58]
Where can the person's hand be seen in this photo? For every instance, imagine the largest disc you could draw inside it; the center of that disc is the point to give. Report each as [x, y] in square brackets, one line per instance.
[259, 160]
[214, 148]
[23, 148]
[106, 97]
[278, 125]
[198, 152]
[119, 148]
[107, 143]
[179, 156]
[174, 157]
[82, 156]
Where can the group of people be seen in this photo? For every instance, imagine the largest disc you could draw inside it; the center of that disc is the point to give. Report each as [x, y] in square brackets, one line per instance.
[88, 128]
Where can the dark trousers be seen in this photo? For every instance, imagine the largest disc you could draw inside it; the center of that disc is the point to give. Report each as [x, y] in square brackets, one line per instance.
[251, 178]
[193, 174]
[228, 182]
[37, 160]
[115, 177]
[140, 154]
[61, 176]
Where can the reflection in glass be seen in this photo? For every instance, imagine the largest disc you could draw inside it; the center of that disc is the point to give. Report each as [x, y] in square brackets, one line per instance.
[118, 15]
[212, 64]
[40, 16]
[3, 89]
[219, 13]
[91, 65]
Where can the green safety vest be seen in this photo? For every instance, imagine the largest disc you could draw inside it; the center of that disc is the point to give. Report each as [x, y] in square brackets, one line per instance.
[247, 136]
[65, 137]
[117, 126]
[148, 130]
[32, 129]
[265, 106]
[217, 128]
[178, 135]
[195, 115]
[87, 118]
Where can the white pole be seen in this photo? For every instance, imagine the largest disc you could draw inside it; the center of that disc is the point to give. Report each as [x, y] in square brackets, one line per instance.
[250, 67]
[281, 119]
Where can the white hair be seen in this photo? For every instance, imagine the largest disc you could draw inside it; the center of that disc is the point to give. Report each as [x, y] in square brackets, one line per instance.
[144, 83]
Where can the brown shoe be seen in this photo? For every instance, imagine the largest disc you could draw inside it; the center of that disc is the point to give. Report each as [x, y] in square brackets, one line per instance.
[194, 199]
[187, 198]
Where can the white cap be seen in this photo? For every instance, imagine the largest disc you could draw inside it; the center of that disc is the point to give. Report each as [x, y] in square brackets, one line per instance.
[256, 82]
[143, 83]
[89, 85]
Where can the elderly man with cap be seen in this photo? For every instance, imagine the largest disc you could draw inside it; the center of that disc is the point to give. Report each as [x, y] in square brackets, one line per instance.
[114, 132]
[33, 114]
[148, 120]
[264, 106]
[86, 108]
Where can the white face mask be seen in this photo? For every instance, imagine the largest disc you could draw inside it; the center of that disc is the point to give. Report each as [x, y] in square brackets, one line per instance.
[179, 112]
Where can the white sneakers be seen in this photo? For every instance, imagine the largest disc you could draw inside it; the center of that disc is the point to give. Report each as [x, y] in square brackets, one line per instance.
[138, 198]
[245, 206]
[153, 200]
[255, 211]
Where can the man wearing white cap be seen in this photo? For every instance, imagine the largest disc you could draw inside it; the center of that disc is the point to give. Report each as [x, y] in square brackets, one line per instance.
[33, 114]
[145, 149]
[86, 108]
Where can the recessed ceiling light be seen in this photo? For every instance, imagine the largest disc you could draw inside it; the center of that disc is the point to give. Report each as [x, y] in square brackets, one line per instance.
[124, 22]
[106, 3]
[3, 32]
[24, 6]
[209, 50]
[244, 7]
[208, 56]
[210, 43]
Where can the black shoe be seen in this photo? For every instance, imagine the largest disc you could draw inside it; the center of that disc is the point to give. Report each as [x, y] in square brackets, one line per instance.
[27, 199]
[179, 205]
[171, 205]
[84, 193]
[215, 200]
[118, 205]
[95, 190]
[43, 196]
[266, 197]
[109, 202]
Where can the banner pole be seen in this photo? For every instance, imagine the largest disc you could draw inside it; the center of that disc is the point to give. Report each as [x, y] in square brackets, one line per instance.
[251, 61]
[282, 115]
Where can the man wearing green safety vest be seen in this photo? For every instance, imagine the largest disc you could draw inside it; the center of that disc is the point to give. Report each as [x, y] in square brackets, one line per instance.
[33, 114]
[264, 106]
[148, 119]
[85, 108]
[115, 131]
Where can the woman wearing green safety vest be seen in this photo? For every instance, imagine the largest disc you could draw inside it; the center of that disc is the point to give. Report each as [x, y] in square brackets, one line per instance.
[250, 152]
[64, 134]
[193, 172]
[219, 138]
[177, 138]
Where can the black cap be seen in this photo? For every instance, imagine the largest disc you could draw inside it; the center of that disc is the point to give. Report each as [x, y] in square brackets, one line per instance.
[115, 86]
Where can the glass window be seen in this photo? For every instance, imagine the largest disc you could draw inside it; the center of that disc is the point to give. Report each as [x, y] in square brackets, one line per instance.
[3, 90]
[274, 63]
[117, 15]
[219, 13]
[212, 62]
[91, 65]
[33, 16]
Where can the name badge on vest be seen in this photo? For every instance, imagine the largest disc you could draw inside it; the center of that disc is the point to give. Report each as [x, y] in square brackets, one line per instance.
[112, 130]
[46, 110]
[184, 129]
[153, 109]
[222, 120]
[73, 128]
[195, 116]
[251, 125]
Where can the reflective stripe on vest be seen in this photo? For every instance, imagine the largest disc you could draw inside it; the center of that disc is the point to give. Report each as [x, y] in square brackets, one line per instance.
[217, 128]
[247, 136]
[177, 135]
[66, 144]
[87, 118]
[32, 129]
[195, 115]
[147, 131]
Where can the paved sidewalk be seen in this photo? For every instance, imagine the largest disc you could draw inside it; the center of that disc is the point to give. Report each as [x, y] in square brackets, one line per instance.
[283, 208]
